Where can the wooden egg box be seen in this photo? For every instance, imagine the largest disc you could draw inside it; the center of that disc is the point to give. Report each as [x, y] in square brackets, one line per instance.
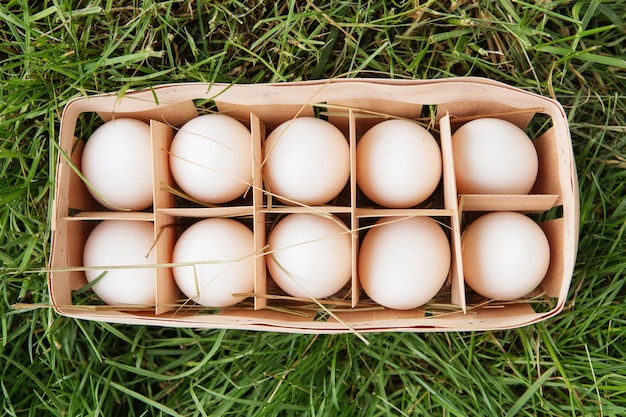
[354, 106]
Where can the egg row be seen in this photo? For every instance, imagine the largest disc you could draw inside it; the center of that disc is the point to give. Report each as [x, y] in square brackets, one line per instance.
[307, 161]
[402, 262]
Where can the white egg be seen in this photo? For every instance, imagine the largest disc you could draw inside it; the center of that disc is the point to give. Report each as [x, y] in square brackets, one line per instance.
[398, 164]
[506, 255]
[117, 162]
[221, 257]
[211, 158]
[307, 160]
[310, 255]
[493, 156]
[114, 243]
[403, 263]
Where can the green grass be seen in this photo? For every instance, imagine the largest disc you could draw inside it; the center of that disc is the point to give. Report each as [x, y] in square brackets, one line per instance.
[574, 364]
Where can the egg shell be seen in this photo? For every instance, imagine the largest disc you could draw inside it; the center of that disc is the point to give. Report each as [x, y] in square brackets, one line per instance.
[221, 254]
[506, 255]
[120, 243]
[307, 160]
[310, 255]
[117, 162]
[211, 158]
[493, 156]
[404, 262]
[398, 164]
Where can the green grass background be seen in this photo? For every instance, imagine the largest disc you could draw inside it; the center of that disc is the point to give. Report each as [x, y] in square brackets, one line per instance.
[50, 52]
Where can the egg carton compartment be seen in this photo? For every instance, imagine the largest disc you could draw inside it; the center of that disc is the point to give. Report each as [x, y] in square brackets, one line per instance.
[80, 201]
[176, 204]
[78, 295]
[246, 197]
[446, 297]
[301, 186]
[392, 148]
[353, 106]
[297, 243]
[539, 126]
[546, 294]
[205, 280]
